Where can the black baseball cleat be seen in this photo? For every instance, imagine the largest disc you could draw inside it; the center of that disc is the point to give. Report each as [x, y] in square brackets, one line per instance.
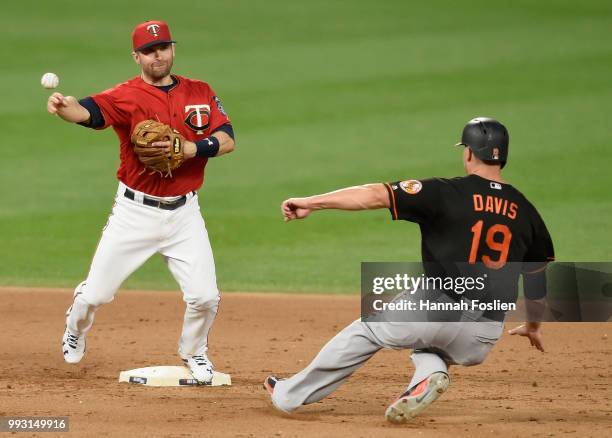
[412, 402]
[270, 383]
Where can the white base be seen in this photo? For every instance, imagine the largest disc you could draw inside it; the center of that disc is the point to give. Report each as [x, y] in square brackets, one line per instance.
[169, 376]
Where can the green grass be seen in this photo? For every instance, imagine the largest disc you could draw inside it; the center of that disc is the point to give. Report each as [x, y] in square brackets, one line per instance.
[322, 95]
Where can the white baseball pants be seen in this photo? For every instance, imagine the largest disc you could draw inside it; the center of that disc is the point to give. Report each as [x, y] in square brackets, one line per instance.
[134, 232]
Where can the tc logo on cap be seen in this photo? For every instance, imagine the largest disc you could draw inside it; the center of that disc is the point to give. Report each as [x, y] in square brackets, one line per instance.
[153, 29]
[150, 33]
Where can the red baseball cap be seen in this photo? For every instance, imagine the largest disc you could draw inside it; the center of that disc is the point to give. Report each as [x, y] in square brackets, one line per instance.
[150, 33]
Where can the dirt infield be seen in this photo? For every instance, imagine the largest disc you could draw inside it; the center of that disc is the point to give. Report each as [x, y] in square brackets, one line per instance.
[516, 392]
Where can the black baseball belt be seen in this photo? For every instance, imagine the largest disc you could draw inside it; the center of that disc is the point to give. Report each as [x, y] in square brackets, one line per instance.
[158, 203]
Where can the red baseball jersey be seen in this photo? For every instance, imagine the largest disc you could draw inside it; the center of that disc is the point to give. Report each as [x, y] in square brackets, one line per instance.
[191, 107]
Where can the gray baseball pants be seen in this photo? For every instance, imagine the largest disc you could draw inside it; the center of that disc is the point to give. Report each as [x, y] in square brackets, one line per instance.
[436, 345]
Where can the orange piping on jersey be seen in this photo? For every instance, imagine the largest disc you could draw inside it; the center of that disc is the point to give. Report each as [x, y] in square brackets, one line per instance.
[537, 270]
[392, 200]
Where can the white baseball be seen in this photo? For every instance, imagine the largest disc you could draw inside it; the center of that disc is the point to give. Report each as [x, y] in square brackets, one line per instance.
[49, 80]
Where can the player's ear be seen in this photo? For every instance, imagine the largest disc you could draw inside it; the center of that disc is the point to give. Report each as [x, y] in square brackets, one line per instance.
[136, 58]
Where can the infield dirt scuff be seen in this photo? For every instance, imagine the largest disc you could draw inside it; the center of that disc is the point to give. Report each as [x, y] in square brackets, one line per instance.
[517, 391]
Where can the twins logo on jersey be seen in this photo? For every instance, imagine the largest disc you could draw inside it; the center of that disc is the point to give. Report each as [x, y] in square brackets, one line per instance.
[198, 117]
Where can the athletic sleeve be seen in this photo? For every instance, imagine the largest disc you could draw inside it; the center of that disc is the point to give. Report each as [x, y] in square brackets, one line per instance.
[534, 285]
[218, 116]
[541, 250]
[96, 119]
[414, 200]
[116, 109]
[227, 128]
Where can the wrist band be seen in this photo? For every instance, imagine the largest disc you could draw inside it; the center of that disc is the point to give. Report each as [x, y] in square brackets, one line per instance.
[207, 147]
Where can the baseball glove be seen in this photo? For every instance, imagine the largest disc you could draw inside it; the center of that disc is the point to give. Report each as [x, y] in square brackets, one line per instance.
[155, 158]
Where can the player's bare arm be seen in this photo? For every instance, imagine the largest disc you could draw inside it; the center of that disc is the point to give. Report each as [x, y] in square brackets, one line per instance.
[67, 107]
[226, 143]
[364, 197]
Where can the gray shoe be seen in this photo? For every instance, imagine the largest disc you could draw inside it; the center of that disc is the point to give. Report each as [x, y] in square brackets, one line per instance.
[412, 402]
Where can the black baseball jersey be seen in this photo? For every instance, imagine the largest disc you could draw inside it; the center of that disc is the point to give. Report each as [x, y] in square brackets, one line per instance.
[474, 220]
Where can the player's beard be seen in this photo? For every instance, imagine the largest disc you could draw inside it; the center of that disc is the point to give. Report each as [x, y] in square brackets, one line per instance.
[158, 73]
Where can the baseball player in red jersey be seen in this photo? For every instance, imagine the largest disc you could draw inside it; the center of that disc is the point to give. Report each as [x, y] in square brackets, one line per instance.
[153, 213]
[479, 219]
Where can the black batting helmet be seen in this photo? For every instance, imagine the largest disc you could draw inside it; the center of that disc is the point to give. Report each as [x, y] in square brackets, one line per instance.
[488, 139]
